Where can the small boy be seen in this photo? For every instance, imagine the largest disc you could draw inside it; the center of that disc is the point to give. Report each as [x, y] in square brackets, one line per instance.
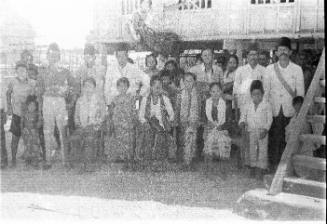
[17, 92]
[88, 118]
[256, 120]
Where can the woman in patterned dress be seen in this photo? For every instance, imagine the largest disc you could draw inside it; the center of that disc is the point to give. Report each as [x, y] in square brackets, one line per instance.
[121, 143]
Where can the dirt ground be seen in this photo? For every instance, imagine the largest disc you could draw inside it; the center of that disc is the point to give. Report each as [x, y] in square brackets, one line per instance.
[174, 189]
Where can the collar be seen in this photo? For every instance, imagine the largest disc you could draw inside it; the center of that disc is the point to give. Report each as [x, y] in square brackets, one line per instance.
[203, 67]
[280, 67]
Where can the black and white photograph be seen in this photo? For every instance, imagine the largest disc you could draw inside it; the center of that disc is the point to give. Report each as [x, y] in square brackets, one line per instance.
[170, 111]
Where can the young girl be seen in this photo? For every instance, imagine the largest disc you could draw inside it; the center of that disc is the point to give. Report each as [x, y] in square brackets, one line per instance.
[121, 143]
[256, 120]
[18, 90]
[217, 141]
[187, 107]
[156, 116]
[30, 126]
[88, 118]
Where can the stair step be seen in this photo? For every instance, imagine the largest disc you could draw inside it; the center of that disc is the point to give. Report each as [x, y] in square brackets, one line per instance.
[319, 139]
[323, 83]
[320, 99]
[309, 167]
[258, 203]
[316, 118]
[300, 186]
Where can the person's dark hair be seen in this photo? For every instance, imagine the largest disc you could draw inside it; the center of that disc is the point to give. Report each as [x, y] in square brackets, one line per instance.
[90, 80]
[123, 80]
[207, 49]
[297, 100]
[20, 65]
[235, 57]
[265, 53]
[164, 73]
[189, 74]
[53, 47]
[215, 84]
[148, 56]
[34, 69]
[26, 52]
[198, 57]
[174, 63]
[32, 99]
[154, 79]
[257, 84]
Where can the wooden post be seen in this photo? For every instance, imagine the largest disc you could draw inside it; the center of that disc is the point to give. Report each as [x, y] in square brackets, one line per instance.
[293, 144]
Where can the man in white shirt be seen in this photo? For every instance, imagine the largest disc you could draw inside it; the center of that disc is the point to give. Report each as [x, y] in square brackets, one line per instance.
[284, 80]
[139, 81]
[245, 75]
[206, 73]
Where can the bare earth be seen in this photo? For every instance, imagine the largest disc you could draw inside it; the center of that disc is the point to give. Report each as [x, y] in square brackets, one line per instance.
[111, 193]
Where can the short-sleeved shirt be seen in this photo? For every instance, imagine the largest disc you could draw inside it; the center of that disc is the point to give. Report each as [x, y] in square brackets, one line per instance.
[19, 92]
[215, 75]
[54, 82]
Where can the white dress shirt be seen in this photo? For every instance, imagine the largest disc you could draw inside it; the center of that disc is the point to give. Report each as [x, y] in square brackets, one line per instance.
[216, 75]
[155, 110]
[244, 76]
[276, 94]
[221, 108]
[130, 71]
[260, 118]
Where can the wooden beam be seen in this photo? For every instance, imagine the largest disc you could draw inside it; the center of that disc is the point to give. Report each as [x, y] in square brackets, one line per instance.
[316, 119]
[300, 186]
[320, 99]
[319, 139]
[310, 162]
[293, 144]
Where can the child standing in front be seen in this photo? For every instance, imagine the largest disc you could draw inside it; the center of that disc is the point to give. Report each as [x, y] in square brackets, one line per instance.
[188, 111]
[217, 141]
[17, 92]
[256, 120]
[30, 126]
[121, 143]
[88, 118]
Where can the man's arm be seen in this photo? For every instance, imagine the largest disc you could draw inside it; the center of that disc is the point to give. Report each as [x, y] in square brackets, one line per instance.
[8, 95]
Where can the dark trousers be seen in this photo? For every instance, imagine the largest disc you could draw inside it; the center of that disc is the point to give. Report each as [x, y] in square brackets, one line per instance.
[277, 141]
[4, 155]
[199, 143]
[42, 143]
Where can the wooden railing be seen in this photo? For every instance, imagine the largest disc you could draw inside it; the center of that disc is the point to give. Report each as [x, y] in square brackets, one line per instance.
[293, 144]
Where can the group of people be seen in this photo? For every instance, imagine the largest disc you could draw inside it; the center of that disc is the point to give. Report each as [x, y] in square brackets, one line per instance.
[148, 118]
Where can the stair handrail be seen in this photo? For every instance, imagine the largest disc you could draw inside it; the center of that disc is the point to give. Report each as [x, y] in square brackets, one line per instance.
[293, 143]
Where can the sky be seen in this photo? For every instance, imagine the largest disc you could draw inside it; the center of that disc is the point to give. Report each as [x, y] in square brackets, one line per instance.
[66, 22]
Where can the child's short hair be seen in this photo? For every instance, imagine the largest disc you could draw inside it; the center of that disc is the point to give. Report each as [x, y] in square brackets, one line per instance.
[215, 84]
[123, 80]
[154, 79]
[149, 56]
[31, 99]
[164, 73]
[189, 74]
[257, 84]
[90, 80]
[20, 65]
[297, 100]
